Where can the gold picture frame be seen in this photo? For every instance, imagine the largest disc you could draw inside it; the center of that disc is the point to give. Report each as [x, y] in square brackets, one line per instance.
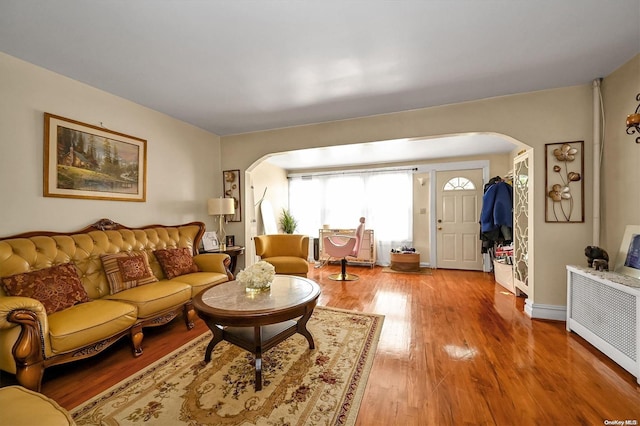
[564, 182]
[231, 185]
[91, 162]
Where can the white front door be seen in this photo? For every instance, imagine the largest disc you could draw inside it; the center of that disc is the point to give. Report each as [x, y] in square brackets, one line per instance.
[458, 206]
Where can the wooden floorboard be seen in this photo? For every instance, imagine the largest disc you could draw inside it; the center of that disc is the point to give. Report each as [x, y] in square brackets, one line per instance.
[455, 348]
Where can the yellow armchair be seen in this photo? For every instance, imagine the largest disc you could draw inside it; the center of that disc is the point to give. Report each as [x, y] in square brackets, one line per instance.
[288, 253]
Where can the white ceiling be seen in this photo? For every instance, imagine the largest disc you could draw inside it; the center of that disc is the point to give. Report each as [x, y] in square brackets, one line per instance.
[238, 66]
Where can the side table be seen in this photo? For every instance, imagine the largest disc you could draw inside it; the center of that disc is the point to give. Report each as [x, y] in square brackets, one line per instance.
[233, 252]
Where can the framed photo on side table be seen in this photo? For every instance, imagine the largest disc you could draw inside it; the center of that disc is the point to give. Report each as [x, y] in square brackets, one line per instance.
[210, 241]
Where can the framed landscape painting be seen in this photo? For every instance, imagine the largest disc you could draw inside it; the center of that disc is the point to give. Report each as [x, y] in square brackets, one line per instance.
[91, 162]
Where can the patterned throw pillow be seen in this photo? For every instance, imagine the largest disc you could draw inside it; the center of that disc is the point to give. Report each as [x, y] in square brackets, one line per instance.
[57, 288]
[127, 270]
[176, 262]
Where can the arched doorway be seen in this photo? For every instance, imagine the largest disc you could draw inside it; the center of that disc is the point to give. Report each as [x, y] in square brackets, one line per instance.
[255, 189]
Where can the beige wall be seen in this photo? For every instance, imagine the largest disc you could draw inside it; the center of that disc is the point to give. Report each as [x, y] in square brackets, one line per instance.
[422, 215]
[273, 180]
[183, 161]
[533, 119]
[270, 181]
[621, 157]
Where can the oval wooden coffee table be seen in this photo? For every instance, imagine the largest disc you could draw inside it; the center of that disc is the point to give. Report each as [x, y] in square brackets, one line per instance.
[258, 321]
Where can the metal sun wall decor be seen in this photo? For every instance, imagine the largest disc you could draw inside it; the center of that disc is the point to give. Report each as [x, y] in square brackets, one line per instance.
[231, 185]
[564, 182]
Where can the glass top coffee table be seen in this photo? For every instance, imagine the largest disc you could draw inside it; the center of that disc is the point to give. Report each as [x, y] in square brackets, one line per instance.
[257, 322]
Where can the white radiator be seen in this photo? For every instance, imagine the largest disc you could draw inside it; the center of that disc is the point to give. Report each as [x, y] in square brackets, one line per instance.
[604, 308]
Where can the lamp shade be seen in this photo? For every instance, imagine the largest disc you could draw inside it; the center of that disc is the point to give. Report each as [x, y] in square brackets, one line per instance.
[220, 206]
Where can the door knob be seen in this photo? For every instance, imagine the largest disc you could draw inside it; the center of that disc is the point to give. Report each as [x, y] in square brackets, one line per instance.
[439, 228]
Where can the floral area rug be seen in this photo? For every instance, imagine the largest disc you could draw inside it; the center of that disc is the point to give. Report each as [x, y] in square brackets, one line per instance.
[323, 386]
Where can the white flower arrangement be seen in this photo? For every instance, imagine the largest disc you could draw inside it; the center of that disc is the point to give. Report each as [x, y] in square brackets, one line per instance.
[257, 276]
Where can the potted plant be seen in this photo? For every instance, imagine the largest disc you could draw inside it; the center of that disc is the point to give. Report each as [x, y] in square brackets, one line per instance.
[287, 222]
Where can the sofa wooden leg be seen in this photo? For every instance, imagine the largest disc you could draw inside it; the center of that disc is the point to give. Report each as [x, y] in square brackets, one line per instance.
[27, 350]
[136, 339]
[189, 315]
[30, 376]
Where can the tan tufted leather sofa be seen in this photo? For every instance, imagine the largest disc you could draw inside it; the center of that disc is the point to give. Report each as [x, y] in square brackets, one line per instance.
[31, 340]
[286, 252]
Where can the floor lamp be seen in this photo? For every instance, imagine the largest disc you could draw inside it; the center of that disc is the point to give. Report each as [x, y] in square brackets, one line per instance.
[221, 207]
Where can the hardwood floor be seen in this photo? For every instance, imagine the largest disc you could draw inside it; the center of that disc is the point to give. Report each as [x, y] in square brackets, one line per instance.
[455, 349]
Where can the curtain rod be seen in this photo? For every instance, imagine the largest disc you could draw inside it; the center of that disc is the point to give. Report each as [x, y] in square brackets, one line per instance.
[350, 172]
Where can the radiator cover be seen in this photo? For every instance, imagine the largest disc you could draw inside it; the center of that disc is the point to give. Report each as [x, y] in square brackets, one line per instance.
[603, 308]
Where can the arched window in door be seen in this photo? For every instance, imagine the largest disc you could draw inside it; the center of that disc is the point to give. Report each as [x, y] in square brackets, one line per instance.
[459, 183]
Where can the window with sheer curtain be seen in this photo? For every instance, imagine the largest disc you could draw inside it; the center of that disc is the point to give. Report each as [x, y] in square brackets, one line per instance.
[385, 199]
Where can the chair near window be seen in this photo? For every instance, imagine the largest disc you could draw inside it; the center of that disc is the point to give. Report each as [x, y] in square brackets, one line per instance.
[288, 253]
[340, 246]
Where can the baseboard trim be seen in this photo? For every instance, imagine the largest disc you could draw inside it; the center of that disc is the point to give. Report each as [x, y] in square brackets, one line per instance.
[546, 312]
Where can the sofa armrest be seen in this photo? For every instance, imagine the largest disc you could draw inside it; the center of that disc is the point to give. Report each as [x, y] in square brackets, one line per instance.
[214, 262]
[10, 304]
[27, 351]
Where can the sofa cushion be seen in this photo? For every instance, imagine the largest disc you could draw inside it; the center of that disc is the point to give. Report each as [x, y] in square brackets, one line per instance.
[199, 281]
[289, 265]
[88, 323]
[153, 299]
[57, 288]
[127, 270]
[176, 262]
